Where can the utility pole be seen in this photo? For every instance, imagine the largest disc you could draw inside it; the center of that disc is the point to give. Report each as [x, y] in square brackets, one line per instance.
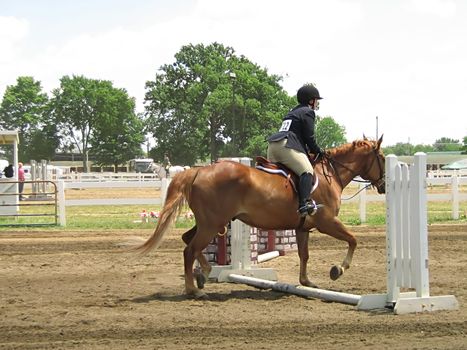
[377, 127]
[233, 78]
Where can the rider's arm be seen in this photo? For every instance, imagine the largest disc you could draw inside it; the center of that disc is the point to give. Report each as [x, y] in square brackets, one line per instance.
[308, 132]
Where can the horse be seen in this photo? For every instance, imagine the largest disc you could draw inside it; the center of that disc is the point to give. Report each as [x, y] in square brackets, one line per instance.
[175, 169]
[227, 190]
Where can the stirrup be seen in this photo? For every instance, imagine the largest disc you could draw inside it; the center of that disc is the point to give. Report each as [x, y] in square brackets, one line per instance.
[310, 208]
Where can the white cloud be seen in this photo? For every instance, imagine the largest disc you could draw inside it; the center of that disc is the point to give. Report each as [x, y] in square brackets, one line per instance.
[12, 32]
[442, 8]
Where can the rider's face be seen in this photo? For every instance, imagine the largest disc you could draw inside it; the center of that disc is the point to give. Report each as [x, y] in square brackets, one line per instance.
[314, 104]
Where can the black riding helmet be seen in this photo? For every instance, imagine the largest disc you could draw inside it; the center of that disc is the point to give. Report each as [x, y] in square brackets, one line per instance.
[307, 93]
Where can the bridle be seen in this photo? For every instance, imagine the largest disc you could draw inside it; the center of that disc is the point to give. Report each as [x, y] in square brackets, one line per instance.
[377, 183]
[380, 181]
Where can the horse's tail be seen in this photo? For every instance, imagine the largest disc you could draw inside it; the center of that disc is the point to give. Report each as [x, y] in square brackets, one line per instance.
[179, 190]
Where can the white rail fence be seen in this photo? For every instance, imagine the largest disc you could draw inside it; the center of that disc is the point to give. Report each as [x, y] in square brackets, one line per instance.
[63, 202]
[452, 194]
[105, 177]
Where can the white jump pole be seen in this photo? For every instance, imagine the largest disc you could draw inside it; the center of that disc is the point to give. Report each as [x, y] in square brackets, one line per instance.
[268, 256]
[322, 294]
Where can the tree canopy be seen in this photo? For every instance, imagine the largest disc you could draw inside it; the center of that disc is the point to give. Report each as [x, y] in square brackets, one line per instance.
[446, 144]
[93, 115]
[211, 103]
[329, 133]
[24, 108]
[443, 144]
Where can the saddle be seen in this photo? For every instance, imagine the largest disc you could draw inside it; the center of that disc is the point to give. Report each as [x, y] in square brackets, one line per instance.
[278, 168]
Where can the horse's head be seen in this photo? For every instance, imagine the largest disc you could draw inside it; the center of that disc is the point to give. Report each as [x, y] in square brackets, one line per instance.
[374, 168]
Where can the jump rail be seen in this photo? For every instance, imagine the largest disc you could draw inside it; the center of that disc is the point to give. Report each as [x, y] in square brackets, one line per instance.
[328, 295]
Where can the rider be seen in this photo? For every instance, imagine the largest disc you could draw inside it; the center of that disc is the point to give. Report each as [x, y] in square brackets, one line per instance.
[166, 164]
[295, 138]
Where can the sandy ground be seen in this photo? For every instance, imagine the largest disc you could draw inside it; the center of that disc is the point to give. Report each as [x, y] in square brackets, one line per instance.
[79, 290]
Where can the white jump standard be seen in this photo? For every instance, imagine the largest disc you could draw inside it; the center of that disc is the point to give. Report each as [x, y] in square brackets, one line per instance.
[407, 242]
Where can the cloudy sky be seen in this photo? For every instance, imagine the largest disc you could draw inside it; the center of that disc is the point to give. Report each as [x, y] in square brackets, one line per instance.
[403, 61]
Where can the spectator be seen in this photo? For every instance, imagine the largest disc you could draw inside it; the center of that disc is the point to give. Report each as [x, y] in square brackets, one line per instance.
[21, 180]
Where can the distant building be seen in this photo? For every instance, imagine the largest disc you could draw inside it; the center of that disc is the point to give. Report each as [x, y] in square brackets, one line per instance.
[436, 160]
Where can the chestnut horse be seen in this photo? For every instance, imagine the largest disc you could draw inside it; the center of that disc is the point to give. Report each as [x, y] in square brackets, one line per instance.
[228, 190]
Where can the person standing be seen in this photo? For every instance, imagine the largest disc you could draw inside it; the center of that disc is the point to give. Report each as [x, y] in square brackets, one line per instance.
[21, 179]
[294, 140]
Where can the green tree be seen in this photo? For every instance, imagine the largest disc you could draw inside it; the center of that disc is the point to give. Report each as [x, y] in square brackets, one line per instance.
[399, 149]
[464, 147]
[91, 113]
[122, 137]
[210, 103]
[25, 108]
[422, 148]
[329, 133]
[407, 149]
[446, 144]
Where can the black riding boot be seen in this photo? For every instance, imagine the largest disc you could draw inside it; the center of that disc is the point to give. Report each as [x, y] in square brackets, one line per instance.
[305, 205]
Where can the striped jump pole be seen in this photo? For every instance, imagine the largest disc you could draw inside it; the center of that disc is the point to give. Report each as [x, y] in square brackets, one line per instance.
[317, 293]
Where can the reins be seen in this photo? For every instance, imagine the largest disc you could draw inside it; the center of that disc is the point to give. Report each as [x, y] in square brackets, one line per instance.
[328, 176]
[354, 195]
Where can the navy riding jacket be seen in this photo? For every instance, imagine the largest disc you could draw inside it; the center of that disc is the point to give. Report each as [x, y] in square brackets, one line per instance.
[298, 127]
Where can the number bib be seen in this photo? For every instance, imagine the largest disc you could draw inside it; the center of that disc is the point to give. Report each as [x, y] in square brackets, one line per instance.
[285, 125]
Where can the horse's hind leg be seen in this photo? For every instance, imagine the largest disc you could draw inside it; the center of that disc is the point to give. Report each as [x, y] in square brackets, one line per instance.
[199, 240]
[302, 243]
[336, 229]
[206, 268]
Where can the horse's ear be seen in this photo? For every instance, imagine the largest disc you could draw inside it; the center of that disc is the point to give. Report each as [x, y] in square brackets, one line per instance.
[380, 141]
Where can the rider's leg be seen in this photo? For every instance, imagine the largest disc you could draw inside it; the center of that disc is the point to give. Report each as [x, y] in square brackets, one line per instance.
[299, 163]
[305, 204]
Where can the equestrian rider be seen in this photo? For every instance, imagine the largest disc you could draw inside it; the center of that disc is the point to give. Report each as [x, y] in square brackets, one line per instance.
[296, 137]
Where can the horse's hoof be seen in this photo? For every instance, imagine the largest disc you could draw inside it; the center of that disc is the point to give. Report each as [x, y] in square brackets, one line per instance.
[200, 280]
[308, 284]
[201, 296]
[336, 272]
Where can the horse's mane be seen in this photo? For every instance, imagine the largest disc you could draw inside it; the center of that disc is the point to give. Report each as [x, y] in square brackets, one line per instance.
[348, 147]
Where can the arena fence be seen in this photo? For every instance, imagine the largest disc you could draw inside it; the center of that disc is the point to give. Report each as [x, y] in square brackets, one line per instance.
[447, 189]
[39, 207]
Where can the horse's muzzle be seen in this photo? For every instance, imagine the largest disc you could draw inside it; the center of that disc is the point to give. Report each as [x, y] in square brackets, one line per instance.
[380, 186]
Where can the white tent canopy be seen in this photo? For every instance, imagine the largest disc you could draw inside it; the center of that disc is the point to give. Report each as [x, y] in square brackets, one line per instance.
[9, 190]
[8, 137]
[457, 165]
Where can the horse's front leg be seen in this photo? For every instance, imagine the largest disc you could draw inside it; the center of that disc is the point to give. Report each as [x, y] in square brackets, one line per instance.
[302, 242]
[336, 229]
